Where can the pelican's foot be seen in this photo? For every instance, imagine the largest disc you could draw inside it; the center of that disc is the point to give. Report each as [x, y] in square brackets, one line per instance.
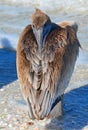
[57, 111]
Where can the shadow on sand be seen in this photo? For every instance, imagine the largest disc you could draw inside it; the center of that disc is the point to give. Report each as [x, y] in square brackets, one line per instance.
[75, 111]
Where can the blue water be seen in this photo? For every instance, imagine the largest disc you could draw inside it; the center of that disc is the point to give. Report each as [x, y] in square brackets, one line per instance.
[76, 108]
[14, 16]
[75, 115]
[7, 67]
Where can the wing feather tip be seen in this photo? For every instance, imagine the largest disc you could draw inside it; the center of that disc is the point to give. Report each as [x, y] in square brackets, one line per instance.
[69, 23]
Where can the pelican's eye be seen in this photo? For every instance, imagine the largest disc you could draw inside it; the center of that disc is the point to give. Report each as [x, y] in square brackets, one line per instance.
[45, 24]
[33, 26]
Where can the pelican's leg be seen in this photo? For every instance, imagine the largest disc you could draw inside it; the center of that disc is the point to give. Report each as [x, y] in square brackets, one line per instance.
[61, 107]
[57, 111]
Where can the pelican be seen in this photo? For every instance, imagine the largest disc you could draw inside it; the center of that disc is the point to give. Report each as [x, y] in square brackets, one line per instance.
[46, 56]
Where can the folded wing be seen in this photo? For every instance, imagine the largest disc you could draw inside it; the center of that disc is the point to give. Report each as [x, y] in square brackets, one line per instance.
[44, 77]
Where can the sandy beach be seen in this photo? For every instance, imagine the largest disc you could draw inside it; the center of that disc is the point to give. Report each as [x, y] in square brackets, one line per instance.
[14, 16]
[13, 111]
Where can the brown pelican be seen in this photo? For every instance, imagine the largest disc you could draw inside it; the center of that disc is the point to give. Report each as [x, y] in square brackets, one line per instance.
[46, 56]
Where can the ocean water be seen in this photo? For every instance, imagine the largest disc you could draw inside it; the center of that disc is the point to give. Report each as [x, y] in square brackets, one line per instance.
[15, 15]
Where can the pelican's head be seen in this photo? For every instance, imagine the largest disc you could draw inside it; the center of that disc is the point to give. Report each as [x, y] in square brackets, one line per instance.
[40, 26]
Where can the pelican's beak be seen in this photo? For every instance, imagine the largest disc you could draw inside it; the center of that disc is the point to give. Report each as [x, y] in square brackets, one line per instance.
[42, 33]
[39, 37]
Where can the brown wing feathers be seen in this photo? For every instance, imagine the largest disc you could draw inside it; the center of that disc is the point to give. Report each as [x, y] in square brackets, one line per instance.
[45, 77]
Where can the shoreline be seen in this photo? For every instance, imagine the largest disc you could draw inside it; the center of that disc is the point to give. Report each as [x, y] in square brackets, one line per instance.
[13, 110]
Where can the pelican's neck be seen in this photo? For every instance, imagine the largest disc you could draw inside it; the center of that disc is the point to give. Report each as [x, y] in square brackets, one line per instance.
[47, 29]
[41, 34]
